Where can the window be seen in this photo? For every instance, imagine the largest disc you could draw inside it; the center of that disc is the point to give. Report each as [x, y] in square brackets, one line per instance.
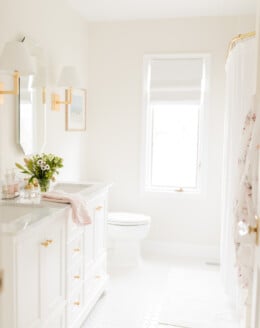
[174, 105]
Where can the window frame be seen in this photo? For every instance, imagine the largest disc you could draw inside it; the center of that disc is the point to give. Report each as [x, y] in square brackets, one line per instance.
[146, 156]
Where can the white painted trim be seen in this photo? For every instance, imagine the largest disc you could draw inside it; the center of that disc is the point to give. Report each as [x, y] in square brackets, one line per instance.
[208, 253]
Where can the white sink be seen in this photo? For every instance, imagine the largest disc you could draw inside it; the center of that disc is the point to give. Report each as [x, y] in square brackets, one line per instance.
[9, 213]
[72, 187]
[18, 217]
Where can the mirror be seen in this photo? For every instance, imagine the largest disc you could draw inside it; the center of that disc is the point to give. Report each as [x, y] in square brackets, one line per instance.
[31, 116]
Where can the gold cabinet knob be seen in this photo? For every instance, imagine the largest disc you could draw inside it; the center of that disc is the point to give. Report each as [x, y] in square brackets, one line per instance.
[76, 277]
[77, 303]
[76, 250]
[45, 243]
[99, 208]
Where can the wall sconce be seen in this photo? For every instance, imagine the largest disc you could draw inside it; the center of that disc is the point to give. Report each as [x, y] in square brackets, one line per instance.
[68, 79]
[15, 58]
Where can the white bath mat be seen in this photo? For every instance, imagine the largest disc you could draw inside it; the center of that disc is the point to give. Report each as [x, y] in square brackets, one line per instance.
[195, 299]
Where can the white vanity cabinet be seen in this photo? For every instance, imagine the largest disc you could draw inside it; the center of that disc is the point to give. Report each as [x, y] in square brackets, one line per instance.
[33, 263]
[54, 271]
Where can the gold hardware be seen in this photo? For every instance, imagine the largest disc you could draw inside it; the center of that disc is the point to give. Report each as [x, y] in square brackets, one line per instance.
[97, 277]
[98, 208]
[245, 229]
[76, 250]
[76, 277]
[45, 244]
[77, 303]
[240, 37]
[179, 190]
[56, 102]
[1, 280]
[256, 229]
[15, 90]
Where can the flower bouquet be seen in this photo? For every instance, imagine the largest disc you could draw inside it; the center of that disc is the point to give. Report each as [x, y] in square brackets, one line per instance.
[42, 169]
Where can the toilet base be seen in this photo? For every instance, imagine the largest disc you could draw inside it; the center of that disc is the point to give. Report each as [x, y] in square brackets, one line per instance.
[124, 253]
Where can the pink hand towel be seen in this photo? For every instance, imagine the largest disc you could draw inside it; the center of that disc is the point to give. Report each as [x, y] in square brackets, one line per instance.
[80, 214]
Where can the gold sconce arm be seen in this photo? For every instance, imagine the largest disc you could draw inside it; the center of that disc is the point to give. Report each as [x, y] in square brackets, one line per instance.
[15, 90]
[44, 95]
[56, 102]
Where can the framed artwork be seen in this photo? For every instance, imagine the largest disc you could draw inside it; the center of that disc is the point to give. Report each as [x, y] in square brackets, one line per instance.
[76, 112]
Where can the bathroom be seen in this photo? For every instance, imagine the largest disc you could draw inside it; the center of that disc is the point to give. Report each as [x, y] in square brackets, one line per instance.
[108, 46]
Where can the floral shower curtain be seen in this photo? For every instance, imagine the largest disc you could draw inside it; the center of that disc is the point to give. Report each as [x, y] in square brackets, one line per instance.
[238, 180]
[246, 203]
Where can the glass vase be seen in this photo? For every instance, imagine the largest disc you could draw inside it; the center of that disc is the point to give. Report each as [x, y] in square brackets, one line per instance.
[44, 184]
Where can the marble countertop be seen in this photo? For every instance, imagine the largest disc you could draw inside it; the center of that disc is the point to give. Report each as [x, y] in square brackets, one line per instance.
[16, 215]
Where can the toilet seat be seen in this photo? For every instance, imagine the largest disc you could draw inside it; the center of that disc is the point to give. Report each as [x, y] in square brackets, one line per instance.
[127, 219]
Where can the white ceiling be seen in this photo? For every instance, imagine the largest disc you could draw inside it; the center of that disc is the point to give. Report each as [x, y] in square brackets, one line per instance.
[114, 10]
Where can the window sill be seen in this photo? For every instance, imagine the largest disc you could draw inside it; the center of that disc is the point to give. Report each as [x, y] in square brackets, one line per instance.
[197, 194]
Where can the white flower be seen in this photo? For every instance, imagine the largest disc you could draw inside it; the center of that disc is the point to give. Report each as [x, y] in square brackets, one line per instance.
[45, 167]
[40, 162]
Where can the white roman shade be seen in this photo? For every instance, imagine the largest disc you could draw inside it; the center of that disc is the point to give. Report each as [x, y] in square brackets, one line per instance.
[176, 80]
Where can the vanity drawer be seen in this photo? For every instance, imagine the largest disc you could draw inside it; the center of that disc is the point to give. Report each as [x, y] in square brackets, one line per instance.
[75, 250]
[94, 287]
[75, 278]
[95, 280]
[74, 307]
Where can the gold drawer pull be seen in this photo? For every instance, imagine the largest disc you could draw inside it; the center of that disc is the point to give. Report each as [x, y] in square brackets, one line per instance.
[77, 303]
[76, 277]
[76, 250]
[99, 208]
[97, 277]
[45, 244]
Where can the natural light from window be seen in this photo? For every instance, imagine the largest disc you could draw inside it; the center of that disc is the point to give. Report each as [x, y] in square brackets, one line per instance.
[174, 121]
[175, 146]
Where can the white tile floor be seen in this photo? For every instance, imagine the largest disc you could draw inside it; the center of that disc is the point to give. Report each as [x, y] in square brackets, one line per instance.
[135, 298]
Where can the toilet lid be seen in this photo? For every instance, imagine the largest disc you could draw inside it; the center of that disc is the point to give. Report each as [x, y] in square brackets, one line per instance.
[125, 218]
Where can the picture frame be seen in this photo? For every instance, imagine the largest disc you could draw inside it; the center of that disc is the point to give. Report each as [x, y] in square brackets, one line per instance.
[76, 111]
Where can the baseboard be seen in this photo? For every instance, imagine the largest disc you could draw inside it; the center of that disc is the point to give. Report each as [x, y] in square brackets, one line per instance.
[208, 253]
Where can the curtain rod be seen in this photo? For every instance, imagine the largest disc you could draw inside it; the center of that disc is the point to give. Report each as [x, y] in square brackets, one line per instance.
[240, 37]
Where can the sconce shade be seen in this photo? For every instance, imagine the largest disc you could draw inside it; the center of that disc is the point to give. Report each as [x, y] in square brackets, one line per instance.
[40, 78]
[68, 77]
[16, 57]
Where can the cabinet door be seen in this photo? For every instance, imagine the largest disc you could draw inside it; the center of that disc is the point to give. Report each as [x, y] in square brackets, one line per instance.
[28, 275]
[53, 266]
[40, 274]
[57, 322]
[100, 214]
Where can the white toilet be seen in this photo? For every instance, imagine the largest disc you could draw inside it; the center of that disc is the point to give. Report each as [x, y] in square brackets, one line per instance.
[125, 232]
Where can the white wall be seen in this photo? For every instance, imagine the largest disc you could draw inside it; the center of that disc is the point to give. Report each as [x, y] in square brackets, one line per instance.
[115, 113]
[63, 36]
[110, 150]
